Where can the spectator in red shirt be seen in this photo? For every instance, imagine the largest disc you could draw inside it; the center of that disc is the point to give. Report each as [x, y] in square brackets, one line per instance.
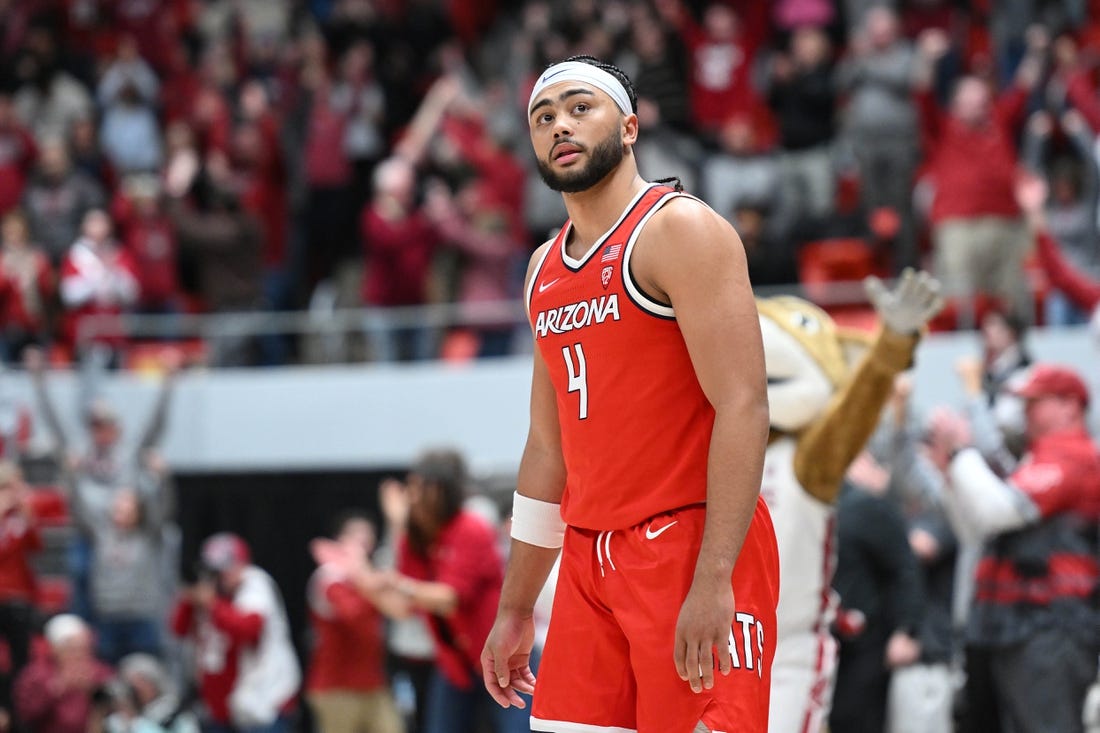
[53, 694]
[721, 58]
[346, 684]
[450, 569]
[209, 114]
[27, 287]
[98, 278]
[181, 82]
[399, 243]
[150, 238]
[257, 160]
[1077, 76]
[978, 235]
[18, 153]
[153, 25]
[248, 674]
[1034, 609]
[19, 538]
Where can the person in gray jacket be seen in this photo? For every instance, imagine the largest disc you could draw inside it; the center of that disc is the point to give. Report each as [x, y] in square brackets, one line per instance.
[109, 456]
[126, 534]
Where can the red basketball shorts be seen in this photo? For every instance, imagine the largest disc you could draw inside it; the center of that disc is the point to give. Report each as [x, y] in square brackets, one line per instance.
[607, 666]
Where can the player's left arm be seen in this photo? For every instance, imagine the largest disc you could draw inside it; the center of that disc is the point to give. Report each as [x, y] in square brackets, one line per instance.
[693, 259]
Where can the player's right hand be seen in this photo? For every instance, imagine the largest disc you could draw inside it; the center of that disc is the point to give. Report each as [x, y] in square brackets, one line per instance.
[506, 659]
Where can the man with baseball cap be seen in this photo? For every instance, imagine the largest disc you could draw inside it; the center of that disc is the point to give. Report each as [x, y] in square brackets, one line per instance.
[1034, 609]
[1051, 380]
[248, 673]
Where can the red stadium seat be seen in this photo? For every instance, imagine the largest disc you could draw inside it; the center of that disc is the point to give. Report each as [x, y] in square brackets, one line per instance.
[50, 506]
[827, 261]
[861, 318]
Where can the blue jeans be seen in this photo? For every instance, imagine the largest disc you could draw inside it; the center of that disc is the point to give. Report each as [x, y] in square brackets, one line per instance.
[453, 710]
[78, 560]
[121, 636]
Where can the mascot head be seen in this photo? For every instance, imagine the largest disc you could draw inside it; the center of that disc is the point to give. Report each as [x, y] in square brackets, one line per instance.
[807, 358]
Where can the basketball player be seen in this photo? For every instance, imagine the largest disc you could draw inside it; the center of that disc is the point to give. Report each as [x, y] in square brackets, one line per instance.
[649, 420]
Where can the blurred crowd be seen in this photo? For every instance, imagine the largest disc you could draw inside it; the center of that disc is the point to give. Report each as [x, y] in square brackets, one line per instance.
[239, 156]
[254, 156]
[968, 554]
[956, 613]
[142, 639]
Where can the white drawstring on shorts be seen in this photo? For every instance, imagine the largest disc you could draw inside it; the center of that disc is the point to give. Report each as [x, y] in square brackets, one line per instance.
[604, 538]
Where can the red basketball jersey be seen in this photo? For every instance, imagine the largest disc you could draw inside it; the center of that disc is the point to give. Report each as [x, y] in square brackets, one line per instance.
[635, 424]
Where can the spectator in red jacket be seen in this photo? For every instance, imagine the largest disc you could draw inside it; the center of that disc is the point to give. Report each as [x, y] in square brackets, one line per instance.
[978, 235]
[721, 58]
[19, 538]
[248, 674]
[53, 694]
[450, 569]
[346, 685]
[1033, 612]
[150, 239]
[27, 287]
[256, 157]
[399, 242]
[98, 278]
[1080, 89]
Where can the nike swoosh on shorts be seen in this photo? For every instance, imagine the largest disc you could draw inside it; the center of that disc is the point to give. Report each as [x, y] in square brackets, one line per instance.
[651, 535]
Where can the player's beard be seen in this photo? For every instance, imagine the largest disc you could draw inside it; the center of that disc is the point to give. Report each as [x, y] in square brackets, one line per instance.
[602, 159]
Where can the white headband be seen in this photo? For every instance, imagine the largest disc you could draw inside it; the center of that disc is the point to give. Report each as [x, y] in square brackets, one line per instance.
[586, 74]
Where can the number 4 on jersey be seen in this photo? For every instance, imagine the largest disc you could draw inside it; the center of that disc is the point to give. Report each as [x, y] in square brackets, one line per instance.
[578, 375]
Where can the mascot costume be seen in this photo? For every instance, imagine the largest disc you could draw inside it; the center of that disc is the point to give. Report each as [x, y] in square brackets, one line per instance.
[824, 406]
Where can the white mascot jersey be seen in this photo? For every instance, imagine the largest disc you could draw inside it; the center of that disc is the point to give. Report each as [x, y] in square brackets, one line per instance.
[805, 658]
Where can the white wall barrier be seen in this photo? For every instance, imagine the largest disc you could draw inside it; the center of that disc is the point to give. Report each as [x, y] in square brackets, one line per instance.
[377, 415]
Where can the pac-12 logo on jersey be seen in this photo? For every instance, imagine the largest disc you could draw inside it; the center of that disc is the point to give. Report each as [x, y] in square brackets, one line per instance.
[605, 276]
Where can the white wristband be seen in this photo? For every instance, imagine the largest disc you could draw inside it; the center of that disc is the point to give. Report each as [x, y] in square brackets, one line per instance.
[537, 522]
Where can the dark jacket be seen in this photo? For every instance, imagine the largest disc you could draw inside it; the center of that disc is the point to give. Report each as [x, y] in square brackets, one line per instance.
[225, 245]
[876, 571]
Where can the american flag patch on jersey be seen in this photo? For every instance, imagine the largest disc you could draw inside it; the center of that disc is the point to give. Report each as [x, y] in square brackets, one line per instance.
[610, 252]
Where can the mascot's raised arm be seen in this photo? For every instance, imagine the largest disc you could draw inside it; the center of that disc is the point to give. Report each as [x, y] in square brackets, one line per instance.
[826, 389]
